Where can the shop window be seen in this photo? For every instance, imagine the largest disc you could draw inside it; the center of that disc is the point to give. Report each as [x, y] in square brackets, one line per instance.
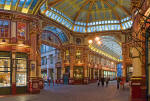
[78, 73]
[21, 30]
[21, 70]
[4, 70]
[4, 29]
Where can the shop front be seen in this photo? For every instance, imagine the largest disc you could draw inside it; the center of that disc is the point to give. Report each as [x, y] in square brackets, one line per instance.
[78, 74]
[13, 79]
[110, 74]
[5, 73]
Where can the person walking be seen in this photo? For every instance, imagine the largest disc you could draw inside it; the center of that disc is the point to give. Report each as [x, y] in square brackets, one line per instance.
[102, 81]
[98, 83]
[49, 81]
[118, 82]
[107, 81]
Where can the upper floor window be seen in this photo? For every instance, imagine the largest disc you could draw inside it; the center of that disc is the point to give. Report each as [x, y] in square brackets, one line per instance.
[78, 41]
[4, 29]
[44, 60]
[51, 59]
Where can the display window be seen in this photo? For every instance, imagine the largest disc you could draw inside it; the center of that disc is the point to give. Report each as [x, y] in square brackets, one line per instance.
[4, 69]
[4, 29]
[21, 79]
[4, 79]
[78, 73]
[21, 70]
[105, 74]
[21, 30]
[114, 75]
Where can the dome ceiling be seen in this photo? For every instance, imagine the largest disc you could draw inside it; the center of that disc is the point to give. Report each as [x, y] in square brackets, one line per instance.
[92, 10]
[89, 15]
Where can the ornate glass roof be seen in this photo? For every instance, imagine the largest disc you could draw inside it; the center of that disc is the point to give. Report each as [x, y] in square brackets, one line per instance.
[110, 47]
[62, 36]
[23, 6]
[89, 15]
[78, 15]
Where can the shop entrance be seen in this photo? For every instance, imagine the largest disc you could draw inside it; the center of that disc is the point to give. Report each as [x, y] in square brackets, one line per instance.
[13, 73]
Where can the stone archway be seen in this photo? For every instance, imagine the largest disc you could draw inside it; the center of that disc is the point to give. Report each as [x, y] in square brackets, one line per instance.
[54, 37]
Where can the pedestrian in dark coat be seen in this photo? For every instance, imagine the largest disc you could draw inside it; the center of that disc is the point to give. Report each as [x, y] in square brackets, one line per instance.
[102, 81]
[118, 82]
[107, 81]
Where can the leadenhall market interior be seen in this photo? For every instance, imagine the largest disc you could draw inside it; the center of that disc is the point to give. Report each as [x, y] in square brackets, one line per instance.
[74, 42]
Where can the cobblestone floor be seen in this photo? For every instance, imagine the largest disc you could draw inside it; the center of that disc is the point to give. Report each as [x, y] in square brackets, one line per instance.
[75, 93]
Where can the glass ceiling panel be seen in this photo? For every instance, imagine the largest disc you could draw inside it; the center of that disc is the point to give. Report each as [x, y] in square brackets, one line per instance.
[23, 6]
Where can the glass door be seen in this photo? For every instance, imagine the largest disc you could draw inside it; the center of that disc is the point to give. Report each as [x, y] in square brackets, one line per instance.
[21, 72]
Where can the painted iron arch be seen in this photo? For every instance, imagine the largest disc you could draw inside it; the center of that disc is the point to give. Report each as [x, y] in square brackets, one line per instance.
[57, 32]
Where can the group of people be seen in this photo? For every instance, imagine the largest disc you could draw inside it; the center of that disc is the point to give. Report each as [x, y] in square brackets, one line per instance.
[103, 80]
[120, 81]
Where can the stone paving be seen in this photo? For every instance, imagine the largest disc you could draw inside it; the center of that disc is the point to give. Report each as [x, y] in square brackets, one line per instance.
[75, 93]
